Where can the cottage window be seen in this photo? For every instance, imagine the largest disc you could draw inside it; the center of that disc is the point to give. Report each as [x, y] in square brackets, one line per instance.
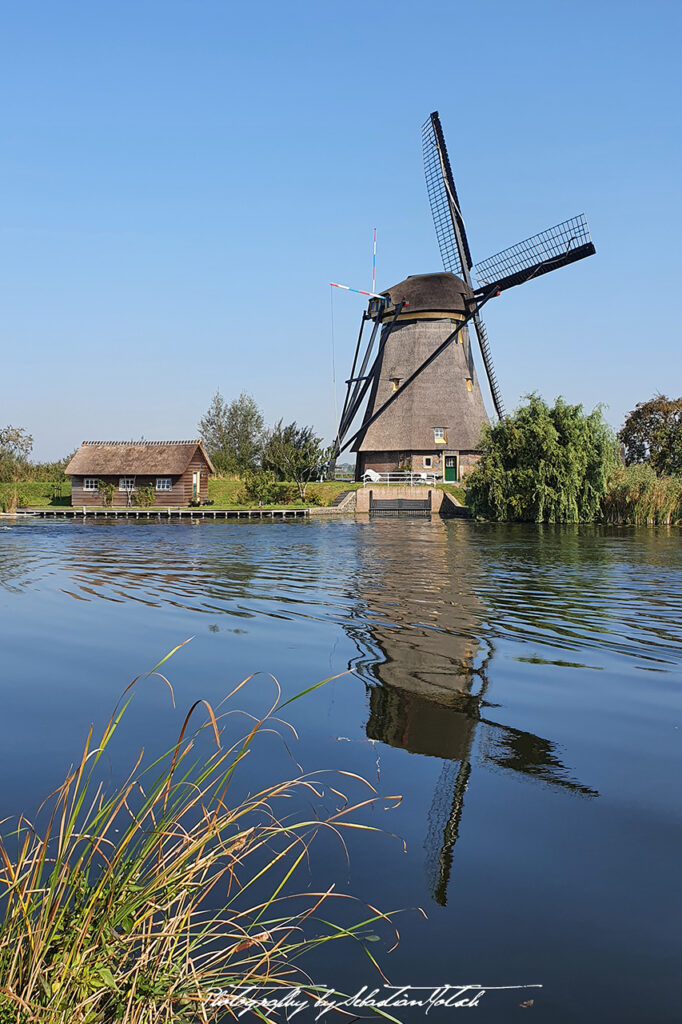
[395, 381]
[469, 383]
[439, 435]
[163, 483]
[126, 483]
[427, 462]
[90, 483]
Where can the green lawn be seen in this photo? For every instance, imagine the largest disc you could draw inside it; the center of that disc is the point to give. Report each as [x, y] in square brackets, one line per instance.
[456, 490]
[224, 494]
[37, 495]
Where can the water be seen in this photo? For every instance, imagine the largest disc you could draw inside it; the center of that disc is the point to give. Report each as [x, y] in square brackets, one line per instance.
[520, 687]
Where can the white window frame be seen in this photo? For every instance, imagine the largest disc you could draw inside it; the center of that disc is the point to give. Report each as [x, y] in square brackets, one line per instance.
[427, 462]
[123, 484]
[164, 483]
[89, 481]
[439, 435]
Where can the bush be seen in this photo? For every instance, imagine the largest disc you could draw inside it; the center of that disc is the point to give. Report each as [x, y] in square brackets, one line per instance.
[11, 501]
[145, 496]
[260, 486]
[16, 497]
[107, 490]
[314, 497]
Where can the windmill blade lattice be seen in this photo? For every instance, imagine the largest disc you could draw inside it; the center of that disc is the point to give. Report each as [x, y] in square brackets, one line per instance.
[486, 354]
[556, 247]
[444, 201]
[451, 233]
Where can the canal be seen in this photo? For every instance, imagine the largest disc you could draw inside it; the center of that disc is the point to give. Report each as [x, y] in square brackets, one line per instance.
[519, 687]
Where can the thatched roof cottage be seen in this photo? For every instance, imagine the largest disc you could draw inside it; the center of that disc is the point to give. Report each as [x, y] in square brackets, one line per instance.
[177, 471]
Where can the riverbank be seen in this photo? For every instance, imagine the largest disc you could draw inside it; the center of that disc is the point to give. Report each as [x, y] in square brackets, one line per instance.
[224, 494]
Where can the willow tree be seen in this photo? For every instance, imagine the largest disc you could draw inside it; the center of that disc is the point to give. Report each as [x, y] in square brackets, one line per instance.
[544, 465]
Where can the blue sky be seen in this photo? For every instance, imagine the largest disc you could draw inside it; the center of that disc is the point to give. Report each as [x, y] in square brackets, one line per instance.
[180, 181]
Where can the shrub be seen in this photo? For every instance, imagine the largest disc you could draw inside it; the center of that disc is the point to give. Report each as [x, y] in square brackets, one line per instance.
[145, 496]
[107, 490]
[314, 497]
[11, 501]
[260, 486]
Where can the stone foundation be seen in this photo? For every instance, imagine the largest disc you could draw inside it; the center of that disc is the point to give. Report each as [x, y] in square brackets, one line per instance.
[391, 493]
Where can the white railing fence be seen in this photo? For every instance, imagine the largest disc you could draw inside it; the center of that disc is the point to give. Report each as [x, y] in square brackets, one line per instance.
[407, 479]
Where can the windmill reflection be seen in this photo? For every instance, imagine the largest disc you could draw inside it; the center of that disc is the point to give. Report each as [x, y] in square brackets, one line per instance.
[427, 681]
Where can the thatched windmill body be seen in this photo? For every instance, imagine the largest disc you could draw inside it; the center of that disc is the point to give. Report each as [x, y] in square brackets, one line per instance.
[415, 376]
[433, 425]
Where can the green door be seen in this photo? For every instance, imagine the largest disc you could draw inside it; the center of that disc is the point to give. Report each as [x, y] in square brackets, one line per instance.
[451, 467]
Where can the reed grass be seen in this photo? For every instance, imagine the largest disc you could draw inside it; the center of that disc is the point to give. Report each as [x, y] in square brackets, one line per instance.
[638, 497]
[108, 908]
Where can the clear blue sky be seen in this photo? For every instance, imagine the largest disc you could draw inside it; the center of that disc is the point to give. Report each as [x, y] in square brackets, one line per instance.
[181, 180]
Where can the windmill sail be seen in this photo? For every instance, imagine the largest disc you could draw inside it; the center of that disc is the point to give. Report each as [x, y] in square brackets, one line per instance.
[451, 232]
[444, 201]
[556, 247]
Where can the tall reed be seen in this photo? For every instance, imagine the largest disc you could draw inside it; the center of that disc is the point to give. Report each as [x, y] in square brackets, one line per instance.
[134, 905]
[637, 496]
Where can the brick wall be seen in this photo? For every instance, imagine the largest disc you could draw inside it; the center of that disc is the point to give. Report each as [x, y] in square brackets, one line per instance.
[418, 465]
[380, 462]
[467, 462]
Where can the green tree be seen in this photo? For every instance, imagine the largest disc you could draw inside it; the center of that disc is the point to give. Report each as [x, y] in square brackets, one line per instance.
[544, 465]
[652, 433]
[16, 445]
[296, 454]
[233, 433]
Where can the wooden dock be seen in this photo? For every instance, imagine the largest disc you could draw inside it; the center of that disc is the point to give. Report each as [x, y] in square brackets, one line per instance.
[71, 512]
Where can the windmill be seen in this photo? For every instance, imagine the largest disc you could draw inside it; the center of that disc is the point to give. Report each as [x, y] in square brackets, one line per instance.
[424, 655]
[424, 408]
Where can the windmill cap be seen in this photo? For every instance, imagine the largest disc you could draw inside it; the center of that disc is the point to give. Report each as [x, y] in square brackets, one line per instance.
[432, 293]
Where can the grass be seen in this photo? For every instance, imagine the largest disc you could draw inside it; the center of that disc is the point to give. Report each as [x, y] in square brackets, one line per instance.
[638, 497]
[134, 904]
[456, 490]
[225, 493]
